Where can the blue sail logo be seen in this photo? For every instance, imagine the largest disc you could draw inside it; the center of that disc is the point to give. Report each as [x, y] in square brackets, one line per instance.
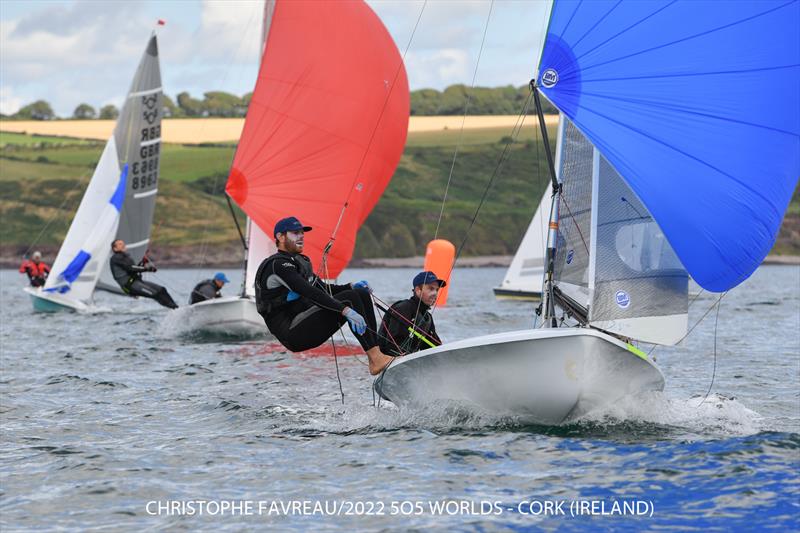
[549, 78]
[623, 300]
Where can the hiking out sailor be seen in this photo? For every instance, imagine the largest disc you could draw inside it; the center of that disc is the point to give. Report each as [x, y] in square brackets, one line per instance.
[407, 325]
[297, 307]
[36, 270]
[129, 276]
[208, 289]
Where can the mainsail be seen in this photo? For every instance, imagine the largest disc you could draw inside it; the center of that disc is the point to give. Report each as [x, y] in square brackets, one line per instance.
[613, 262]
[138, 140]
[326, 125]
[666, 91]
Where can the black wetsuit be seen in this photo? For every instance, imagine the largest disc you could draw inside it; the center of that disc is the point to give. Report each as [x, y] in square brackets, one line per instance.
[297, 308]
[395, 337]
[129, 277]
[205, 290]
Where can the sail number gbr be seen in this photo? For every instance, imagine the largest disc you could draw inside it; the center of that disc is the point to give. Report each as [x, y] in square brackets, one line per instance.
[145, 171]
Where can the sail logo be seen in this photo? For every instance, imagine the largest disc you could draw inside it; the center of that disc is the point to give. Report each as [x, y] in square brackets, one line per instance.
[623, 300]
[570, 255]
[549, 78]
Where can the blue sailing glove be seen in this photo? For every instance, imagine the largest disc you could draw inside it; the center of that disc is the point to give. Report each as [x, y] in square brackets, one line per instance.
[357, 322]
[292, 296]
[362, 285]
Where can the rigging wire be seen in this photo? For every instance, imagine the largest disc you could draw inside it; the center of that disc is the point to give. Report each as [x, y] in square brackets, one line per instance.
[371, 138]
[464, 119]
[204, 240]
[53, 217]
[501, 160]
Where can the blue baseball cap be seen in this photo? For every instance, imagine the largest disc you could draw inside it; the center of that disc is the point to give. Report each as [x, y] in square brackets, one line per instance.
[219, 276]
[427, 277]
[289, 224]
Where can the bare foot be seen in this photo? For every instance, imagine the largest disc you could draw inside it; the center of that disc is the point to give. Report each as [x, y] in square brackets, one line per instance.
[377, 360]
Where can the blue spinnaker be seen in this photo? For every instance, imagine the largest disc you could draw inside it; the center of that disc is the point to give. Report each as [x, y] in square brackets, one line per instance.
[697, 106]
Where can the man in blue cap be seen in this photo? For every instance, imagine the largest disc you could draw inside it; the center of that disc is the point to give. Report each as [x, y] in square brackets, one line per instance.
[208, 289]
[301, 310]
[407, 325]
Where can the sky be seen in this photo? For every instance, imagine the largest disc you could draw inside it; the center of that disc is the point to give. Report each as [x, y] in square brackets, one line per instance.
[68, 52]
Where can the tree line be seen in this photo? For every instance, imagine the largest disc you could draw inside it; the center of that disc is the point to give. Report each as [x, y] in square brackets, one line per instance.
[454, 100]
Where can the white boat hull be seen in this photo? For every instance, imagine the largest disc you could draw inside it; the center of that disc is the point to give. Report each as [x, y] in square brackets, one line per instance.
[544, 376]
[229, 316]
[53, 302]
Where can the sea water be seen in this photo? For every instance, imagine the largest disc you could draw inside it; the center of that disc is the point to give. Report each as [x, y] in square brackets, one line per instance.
[124, 420]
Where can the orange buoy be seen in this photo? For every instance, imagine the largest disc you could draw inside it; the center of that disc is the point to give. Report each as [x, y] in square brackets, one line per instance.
[439, 259]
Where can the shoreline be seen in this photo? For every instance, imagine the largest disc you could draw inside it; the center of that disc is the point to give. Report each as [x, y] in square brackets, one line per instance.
[188, 257]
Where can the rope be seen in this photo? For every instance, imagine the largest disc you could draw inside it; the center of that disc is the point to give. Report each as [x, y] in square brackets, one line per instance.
[714, 371]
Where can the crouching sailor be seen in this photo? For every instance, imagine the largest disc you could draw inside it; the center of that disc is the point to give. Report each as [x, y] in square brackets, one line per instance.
[408, 325]
[129, 277]
[297, 308]
[208, 289]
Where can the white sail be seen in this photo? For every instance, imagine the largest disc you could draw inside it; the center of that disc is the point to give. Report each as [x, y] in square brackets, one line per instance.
[526, 271]
[88, 242]
[259, 247]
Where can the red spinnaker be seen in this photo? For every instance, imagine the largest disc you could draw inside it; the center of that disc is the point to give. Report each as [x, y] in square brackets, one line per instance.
[326, 125]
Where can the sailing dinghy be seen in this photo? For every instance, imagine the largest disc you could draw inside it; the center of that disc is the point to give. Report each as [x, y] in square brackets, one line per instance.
[678, 151]
[121, 190]
[325, 128]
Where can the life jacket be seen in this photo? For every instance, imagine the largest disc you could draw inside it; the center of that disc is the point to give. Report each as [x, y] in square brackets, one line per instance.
[270, 300]
[34, 270]
[119, 262]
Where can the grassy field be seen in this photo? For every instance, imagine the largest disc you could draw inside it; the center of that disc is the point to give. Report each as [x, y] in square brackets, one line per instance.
[42, 180]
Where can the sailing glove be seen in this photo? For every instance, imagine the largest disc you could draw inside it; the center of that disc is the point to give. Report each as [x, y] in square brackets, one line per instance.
[362, 285]
[356, 321]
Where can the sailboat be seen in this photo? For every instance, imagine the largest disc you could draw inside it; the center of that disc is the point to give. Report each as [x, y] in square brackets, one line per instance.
[324, 132]
[121, 191]
[138, 140]
[677, 154]
[523, 279]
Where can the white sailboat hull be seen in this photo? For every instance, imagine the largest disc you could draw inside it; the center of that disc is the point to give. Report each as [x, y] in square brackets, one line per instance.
[544, 376]
[50, 302]
[231, 315]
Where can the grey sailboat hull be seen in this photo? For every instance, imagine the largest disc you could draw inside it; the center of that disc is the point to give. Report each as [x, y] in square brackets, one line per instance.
[544, 376]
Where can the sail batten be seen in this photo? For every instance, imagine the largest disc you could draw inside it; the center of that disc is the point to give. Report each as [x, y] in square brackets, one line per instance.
[696, 107]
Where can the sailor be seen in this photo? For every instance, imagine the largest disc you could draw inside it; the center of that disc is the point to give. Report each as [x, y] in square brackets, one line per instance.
[297, 307]
[129, 276]
[408, 325]
[36, 270]
[208, 289]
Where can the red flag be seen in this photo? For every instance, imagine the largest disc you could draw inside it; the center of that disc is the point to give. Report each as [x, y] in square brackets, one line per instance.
[161, 22]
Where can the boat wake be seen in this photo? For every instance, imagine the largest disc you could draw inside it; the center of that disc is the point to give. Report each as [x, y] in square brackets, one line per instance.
[650, 417]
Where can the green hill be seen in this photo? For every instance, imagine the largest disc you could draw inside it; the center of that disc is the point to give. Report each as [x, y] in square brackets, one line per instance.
[42, 180]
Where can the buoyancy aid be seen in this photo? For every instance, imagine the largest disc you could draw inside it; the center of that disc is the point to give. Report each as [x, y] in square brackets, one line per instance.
[270, 299]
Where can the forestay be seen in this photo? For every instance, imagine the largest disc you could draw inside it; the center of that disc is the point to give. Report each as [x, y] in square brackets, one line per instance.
[665, 90]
